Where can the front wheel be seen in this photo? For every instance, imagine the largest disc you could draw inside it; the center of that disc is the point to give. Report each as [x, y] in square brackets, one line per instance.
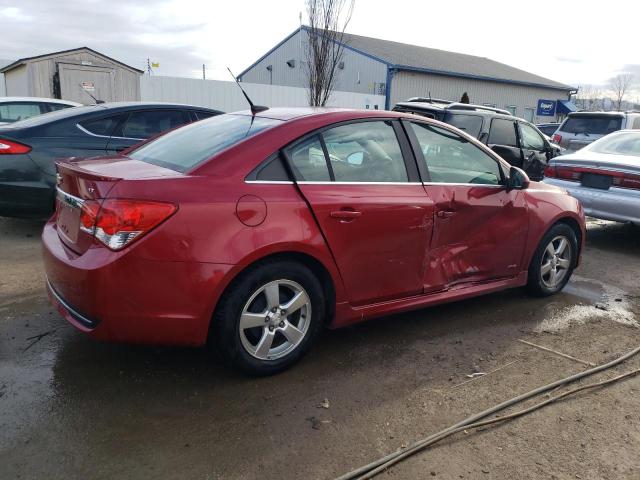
[269, 317]
[554, 261]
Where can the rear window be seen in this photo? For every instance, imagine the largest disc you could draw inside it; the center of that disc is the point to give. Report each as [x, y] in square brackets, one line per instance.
[593, 125]
[619, 144]
[184, 148]
[470, 124]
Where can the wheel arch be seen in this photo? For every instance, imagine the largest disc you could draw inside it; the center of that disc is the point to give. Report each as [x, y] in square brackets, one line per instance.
[316, 266]
[572, 223]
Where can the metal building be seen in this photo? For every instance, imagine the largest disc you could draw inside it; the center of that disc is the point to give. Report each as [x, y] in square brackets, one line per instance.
[72, 75]
[3, 63]
[401, 71]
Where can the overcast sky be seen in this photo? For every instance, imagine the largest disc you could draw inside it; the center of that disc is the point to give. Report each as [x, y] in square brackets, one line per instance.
[574, 42]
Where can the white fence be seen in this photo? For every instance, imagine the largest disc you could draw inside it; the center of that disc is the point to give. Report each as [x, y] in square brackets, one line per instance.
[226, 96]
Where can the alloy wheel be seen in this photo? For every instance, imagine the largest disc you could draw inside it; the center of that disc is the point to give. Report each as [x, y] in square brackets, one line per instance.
[556, 262]
[275, 320]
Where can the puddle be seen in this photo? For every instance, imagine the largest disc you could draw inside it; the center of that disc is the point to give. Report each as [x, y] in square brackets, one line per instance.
[596, 300]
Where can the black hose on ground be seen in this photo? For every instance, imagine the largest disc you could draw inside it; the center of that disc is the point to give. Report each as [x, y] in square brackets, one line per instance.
[373, 468]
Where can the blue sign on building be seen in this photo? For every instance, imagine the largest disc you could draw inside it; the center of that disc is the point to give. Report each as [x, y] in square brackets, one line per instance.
[546, 108]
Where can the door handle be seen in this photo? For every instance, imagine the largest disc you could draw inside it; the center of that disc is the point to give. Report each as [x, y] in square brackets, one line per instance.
[345, 214]
[445, 213]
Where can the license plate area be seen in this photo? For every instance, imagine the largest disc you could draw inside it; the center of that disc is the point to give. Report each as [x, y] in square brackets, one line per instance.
[594, 180]
[68, 217]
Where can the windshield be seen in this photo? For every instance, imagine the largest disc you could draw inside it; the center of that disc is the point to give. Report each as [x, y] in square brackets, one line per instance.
[184, 148]
[592, 124]
[627, 143]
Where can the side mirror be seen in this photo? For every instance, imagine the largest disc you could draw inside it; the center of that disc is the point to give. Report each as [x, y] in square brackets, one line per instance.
[355, 158]
[518, 180]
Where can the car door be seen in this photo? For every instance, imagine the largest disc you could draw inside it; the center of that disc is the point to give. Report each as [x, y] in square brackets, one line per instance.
[143, 124]
[479, 226]
[503, 139]
[536, 151]
[362, 185]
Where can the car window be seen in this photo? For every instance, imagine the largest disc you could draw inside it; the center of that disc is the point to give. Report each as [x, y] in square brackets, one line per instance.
[365, 152]
[308, 161]
[102, 126]
[53, 107]
[15, 111]
[184, 148]
[145, 124]
[200, 115]
[270, 170]
[531, 138]
[452, 159]
[503, 132]
[592, 125]
[468, 123]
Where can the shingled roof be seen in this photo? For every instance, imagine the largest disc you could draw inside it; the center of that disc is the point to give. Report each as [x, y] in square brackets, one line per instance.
[404, 56]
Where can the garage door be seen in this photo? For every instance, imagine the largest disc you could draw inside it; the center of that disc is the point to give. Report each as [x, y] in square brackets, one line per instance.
[77, 81]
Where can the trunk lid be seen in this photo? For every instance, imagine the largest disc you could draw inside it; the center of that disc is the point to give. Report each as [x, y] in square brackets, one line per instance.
[81, 182]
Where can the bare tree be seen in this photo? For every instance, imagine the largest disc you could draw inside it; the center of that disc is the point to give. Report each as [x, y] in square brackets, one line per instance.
[328, 19]
[619, 86]
[590, 98]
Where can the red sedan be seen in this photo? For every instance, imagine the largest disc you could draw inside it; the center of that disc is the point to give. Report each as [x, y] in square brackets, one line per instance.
[253, 232]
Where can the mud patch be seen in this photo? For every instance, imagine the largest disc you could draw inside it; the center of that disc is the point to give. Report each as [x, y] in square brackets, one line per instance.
[606, 302]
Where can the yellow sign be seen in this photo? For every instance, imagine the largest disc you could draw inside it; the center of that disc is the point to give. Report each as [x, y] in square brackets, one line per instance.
[155, 65]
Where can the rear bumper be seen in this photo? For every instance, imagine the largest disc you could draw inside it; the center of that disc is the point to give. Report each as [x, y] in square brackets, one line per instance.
[617, 204]
[26, 199]
[121, 296]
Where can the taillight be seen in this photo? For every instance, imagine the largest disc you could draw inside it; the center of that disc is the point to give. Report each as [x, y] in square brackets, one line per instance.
[568, 173]
[550, 171]
[88, 215]
[9, 147]
[565, 173]
[557, 138]
[116, 223]
[627, 180]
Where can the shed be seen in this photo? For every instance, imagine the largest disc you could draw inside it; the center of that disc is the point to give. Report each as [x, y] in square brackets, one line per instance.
[75, 75]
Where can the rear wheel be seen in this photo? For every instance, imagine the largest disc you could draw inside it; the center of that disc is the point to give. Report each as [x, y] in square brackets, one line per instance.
[553, 261]
[269, 317]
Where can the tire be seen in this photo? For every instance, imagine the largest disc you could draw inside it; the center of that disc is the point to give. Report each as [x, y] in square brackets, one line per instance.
[253, 332]
[553, 261]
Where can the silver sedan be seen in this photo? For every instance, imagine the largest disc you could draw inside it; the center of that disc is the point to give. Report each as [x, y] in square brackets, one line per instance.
[604, 176]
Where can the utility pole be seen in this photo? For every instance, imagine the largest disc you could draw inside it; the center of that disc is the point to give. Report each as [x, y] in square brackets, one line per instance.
[149, 67]
[204, 76]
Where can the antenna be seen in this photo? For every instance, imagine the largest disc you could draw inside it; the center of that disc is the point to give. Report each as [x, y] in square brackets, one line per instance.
[98, 102]
[254, 108]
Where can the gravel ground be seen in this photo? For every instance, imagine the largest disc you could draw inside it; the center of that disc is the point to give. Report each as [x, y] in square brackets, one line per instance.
[74, 408]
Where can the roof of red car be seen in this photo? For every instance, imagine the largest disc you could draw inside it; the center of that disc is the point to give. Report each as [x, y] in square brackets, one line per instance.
[290, 113]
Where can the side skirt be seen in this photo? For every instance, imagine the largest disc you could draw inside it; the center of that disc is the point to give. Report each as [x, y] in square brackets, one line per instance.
[348, 315]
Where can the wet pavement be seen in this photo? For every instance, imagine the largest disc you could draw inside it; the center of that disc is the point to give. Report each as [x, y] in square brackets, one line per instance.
[74, 408]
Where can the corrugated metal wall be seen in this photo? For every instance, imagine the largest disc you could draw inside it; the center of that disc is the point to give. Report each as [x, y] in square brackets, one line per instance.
[3, 91]
[17, 82]
[408, 84]
[360, 73]
[226, 96]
